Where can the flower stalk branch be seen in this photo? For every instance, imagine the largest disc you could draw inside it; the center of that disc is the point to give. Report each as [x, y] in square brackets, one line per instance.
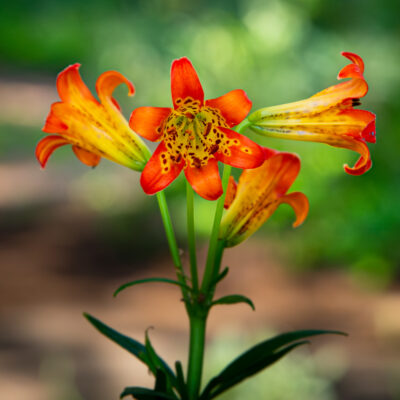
[191, 237]
[198, 318]
[169, 231]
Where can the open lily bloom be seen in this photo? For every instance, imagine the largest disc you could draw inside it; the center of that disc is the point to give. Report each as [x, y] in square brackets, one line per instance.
[327, 117]
[94, 129]
[195, 135]
[258, 194]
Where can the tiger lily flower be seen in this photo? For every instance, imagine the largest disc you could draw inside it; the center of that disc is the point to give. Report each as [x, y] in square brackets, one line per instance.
[195, 135]
[258, 194]
[327, 117]
[94, 129]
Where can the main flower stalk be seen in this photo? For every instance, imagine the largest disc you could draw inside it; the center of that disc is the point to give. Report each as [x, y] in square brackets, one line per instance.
[201, 302]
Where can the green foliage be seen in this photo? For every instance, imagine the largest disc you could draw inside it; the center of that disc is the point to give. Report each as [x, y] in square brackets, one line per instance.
[144, 353]
[234, 299]
[307, 374]
[149, 280]
[256, 359]
[247, 364]
[140, 393]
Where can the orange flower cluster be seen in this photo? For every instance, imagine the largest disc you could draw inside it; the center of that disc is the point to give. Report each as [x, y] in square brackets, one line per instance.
[195, 134]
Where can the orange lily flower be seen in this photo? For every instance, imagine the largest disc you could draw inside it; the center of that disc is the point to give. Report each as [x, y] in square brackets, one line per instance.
[258, 194]
[195, 135]
[94, 129]
[327, 117]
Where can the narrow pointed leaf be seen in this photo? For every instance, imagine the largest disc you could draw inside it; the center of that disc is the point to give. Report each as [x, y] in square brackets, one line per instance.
[221, 276]
[259, 355]
[161, 381]
[140, 393]
[149, 280]
[181, 385]
[158, 364]
[133, 346]
[234, 299]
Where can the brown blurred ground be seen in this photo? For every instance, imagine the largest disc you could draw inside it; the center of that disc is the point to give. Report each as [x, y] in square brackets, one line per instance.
[46, 345]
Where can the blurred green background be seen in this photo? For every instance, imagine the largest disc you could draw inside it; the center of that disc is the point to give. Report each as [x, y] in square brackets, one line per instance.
[278, 51]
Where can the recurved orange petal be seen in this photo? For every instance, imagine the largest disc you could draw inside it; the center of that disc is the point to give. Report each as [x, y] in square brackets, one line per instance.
[86, 157]
[106, 84]
[46, 147]
[364, 163]
[299, 202]
[71, 88]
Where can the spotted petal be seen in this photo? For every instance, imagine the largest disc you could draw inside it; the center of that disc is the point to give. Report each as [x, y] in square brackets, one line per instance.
[185, 82]
[160, 171]
[259, 193]
[234, 106]
[147, 121]
[243, 153]
[205, 180]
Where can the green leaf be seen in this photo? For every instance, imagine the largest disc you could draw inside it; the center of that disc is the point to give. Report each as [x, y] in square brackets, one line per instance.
[161, 381]
[158, 364]
[257, 358]
[134, 347]
[231, 381]
[221, 276]
[181, 385]
[234, 299]
[148, 280]
[140, 393]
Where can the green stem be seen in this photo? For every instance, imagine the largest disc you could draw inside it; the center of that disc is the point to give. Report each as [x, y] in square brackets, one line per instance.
[169, 231]
[216, 249]
[212, 250]
[199, 310]
[196, 354]
[191, 236]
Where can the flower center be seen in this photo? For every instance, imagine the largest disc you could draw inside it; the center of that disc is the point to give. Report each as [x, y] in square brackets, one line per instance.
[191, 133]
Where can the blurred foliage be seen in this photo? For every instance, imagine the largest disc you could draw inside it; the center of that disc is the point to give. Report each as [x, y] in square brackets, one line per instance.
[297, 376]
[278, 51]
